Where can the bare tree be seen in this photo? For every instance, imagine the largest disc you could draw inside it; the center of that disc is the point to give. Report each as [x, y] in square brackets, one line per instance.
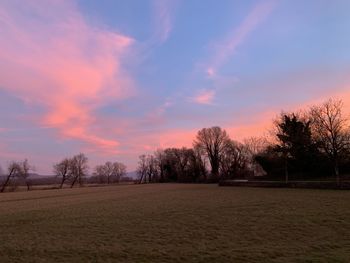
[13, 170]
[152, 168]
[142, 168]
[119, 170]
[25, 168]
[100, 173]
[110, 171]
[235, 160]
[256, 145]
[17, 170]
[331, 130]
[161, 162]
[212, 142]
[78, 168]
[62, 169]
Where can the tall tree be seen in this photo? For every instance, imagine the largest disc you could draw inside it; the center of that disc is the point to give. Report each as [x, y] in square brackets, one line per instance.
[331, 130]
[294, 141]
[235, 160]
[100, 172]
[119, 170]
[25, 168]
[160, 162]
[61, 170]
[142, 168]
[212, 142]
[79, 168]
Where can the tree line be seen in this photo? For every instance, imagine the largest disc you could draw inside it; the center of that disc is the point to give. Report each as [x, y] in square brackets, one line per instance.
[70, 171]
[303, 145]
[309, 144]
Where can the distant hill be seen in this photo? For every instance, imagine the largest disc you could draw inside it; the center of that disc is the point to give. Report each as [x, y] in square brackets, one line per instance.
[39, 176]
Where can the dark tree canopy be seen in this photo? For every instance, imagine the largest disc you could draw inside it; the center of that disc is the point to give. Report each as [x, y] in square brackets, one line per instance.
[212, 143]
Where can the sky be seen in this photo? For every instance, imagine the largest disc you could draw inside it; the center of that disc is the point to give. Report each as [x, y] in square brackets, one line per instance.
[117, 79]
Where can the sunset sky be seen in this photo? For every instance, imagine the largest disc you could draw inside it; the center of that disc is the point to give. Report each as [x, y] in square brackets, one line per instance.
[115, 79]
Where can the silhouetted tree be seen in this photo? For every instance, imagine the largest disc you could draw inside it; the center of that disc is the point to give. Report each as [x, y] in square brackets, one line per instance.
[119, 171]
[256, 145]
[78, 168]
[17, 170]
[160, 162]
[151, 168]
[25, 168]
[212, 142]
[235, 160]
[111, 172]
[142, 168]
[331, 130]
[62, 170]
[100, 173]
[197, 167]
[295, 142]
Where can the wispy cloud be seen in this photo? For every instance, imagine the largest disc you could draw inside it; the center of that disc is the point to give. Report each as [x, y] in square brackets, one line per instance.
[51, 57]
[204, 97]
[163, 12]
[225, 48]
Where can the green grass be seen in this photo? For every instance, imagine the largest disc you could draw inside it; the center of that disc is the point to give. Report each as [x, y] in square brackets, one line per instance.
[175, 223]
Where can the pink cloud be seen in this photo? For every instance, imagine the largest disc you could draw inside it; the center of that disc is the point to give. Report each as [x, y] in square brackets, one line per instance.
[228, 46]
[152, 141]
[261, 124]
[204, 97]
[51, 57]
[210, 72]
[256, 126]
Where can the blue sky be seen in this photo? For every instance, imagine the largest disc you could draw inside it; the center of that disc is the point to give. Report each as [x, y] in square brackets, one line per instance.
[116, 79]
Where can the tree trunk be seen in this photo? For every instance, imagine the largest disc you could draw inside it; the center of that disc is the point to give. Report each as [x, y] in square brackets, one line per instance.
[75, 179]
[62, 182]
[5, 184]
[215, 170]
[286, 174]
[336, 172]
[140, 182]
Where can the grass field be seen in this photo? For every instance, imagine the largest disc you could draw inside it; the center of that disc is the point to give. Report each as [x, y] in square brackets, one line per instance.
[175, 223]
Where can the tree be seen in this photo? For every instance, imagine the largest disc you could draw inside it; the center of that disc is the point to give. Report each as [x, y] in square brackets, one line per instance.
[235, 160]
[212, 142]
[198, 166]
[256, 145]
[142, 168]
[119, 170]
[160, 162]
[78, 168]
[151, 168]
[24, 174]
[17, 170]
[331, 131]
[100, 173]
[62, 169]
[110, 171]
[294, 142]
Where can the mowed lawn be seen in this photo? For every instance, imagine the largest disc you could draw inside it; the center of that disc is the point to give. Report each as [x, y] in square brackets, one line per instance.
[175, 223]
